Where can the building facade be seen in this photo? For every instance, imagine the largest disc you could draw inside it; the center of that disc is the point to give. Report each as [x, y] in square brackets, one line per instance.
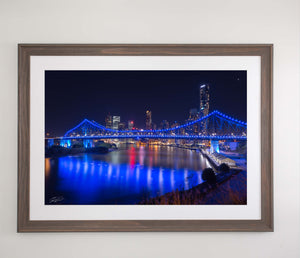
[204, 106]
[204, 100]
[116, 121]
[122, 126]
[108, 121]
[130, 125]
[148, 120]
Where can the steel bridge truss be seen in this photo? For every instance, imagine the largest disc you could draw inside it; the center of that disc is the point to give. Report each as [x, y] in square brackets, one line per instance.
[215, 125]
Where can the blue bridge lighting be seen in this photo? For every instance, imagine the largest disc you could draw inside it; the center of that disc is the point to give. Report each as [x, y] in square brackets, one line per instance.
[215, 126]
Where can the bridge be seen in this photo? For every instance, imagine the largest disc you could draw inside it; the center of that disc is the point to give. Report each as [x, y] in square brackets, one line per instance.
[215, 127]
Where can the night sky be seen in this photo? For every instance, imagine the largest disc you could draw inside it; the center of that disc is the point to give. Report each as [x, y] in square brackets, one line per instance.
[71, 96]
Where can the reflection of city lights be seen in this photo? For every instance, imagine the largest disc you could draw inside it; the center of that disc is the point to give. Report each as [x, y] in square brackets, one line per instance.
[93, 168]
[47, 167]
[109, 171]
[160, 180]
[100, 169]
[172, 179]
[137, 173]
[85, 167]
[111, 177]
[78, 166]
[141, 155]
[118, 171]
[132, 157]
[186, 183]
[71, 166]
[149, 178]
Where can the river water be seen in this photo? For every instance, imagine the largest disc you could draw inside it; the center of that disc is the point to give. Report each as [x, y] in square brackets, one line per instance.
[125, 176]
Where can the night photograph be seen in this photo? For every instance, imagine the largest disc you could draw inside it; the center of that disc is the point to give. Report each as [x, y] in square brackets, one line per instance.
[145, 137]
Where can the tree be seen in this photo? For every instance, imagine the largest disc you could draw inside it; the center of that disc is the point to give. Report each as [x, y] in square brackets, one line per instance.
[208, 175]
[224, 168]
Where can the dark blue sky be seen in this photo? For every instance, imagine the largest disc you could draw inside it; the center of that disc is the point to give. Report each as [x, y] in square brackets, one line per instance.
[71, 96]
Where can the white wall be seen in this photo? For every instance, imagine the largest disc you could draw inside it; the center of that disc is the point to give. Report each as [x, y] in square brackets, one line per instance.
[157, 21]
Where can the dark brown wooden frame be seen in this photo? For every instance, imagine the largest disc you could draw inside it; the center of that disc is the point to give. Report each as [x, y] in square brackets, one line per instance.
[265, 51]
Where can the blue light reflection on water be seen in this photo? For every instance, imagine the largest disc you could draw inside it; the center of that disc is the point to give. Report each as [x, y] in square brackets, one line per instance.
[122, 177]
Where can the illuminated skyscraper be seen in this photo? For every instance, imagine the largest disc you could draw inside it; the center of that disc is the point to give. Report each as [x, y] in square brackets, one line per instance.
[204, 105]
[204, 100]
[116, 121]
[108, 121]
[148, 120]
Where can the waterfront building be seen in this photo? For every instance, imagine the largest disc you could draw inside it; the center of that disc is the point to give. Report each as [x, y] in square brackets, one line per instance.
[116, 121]
[219, 159]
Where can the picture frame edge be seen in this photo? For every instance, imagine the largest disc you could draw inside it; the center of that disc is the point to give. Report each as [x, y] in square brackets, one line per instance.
[25, 50]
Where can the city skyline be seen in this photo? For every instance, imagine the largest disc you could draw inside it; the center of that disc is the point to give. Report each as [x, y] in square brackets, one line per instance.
[126, 104]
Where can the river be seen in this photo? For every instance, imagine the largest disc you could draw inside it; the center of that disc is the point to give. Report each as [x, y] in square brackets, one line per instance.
[125, 176]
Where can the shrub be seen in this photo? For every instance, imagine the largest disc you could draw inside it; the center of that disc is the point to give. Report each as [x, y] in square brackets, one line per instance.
[208, 175]
[77, 145]
[56, 149]
[224, 168]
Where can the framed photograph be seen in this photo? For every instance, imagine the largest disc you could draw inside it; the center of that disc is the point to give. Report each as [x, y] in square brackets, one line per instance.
[145, 138]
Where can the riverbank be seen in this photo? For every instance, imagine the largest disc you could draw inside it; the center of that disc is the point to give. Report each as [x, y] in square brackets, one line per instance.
[231, 188]
[194, 148]
[214, 164]
[59, 151]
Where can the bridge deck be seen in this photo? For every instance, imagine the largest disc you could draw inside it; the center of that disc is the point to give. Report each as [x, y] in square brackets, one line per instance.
[145, 136]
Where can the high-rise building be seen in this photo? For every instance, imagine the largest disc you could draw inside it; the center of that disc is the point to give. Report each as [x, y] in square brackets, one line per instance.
[194, 114]
[204, 100]
[122, 126]
[108, 121]
[165, 124]
[130, 125]
[148, 120]
[204, 105]
[116, 121]
[175, 124]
